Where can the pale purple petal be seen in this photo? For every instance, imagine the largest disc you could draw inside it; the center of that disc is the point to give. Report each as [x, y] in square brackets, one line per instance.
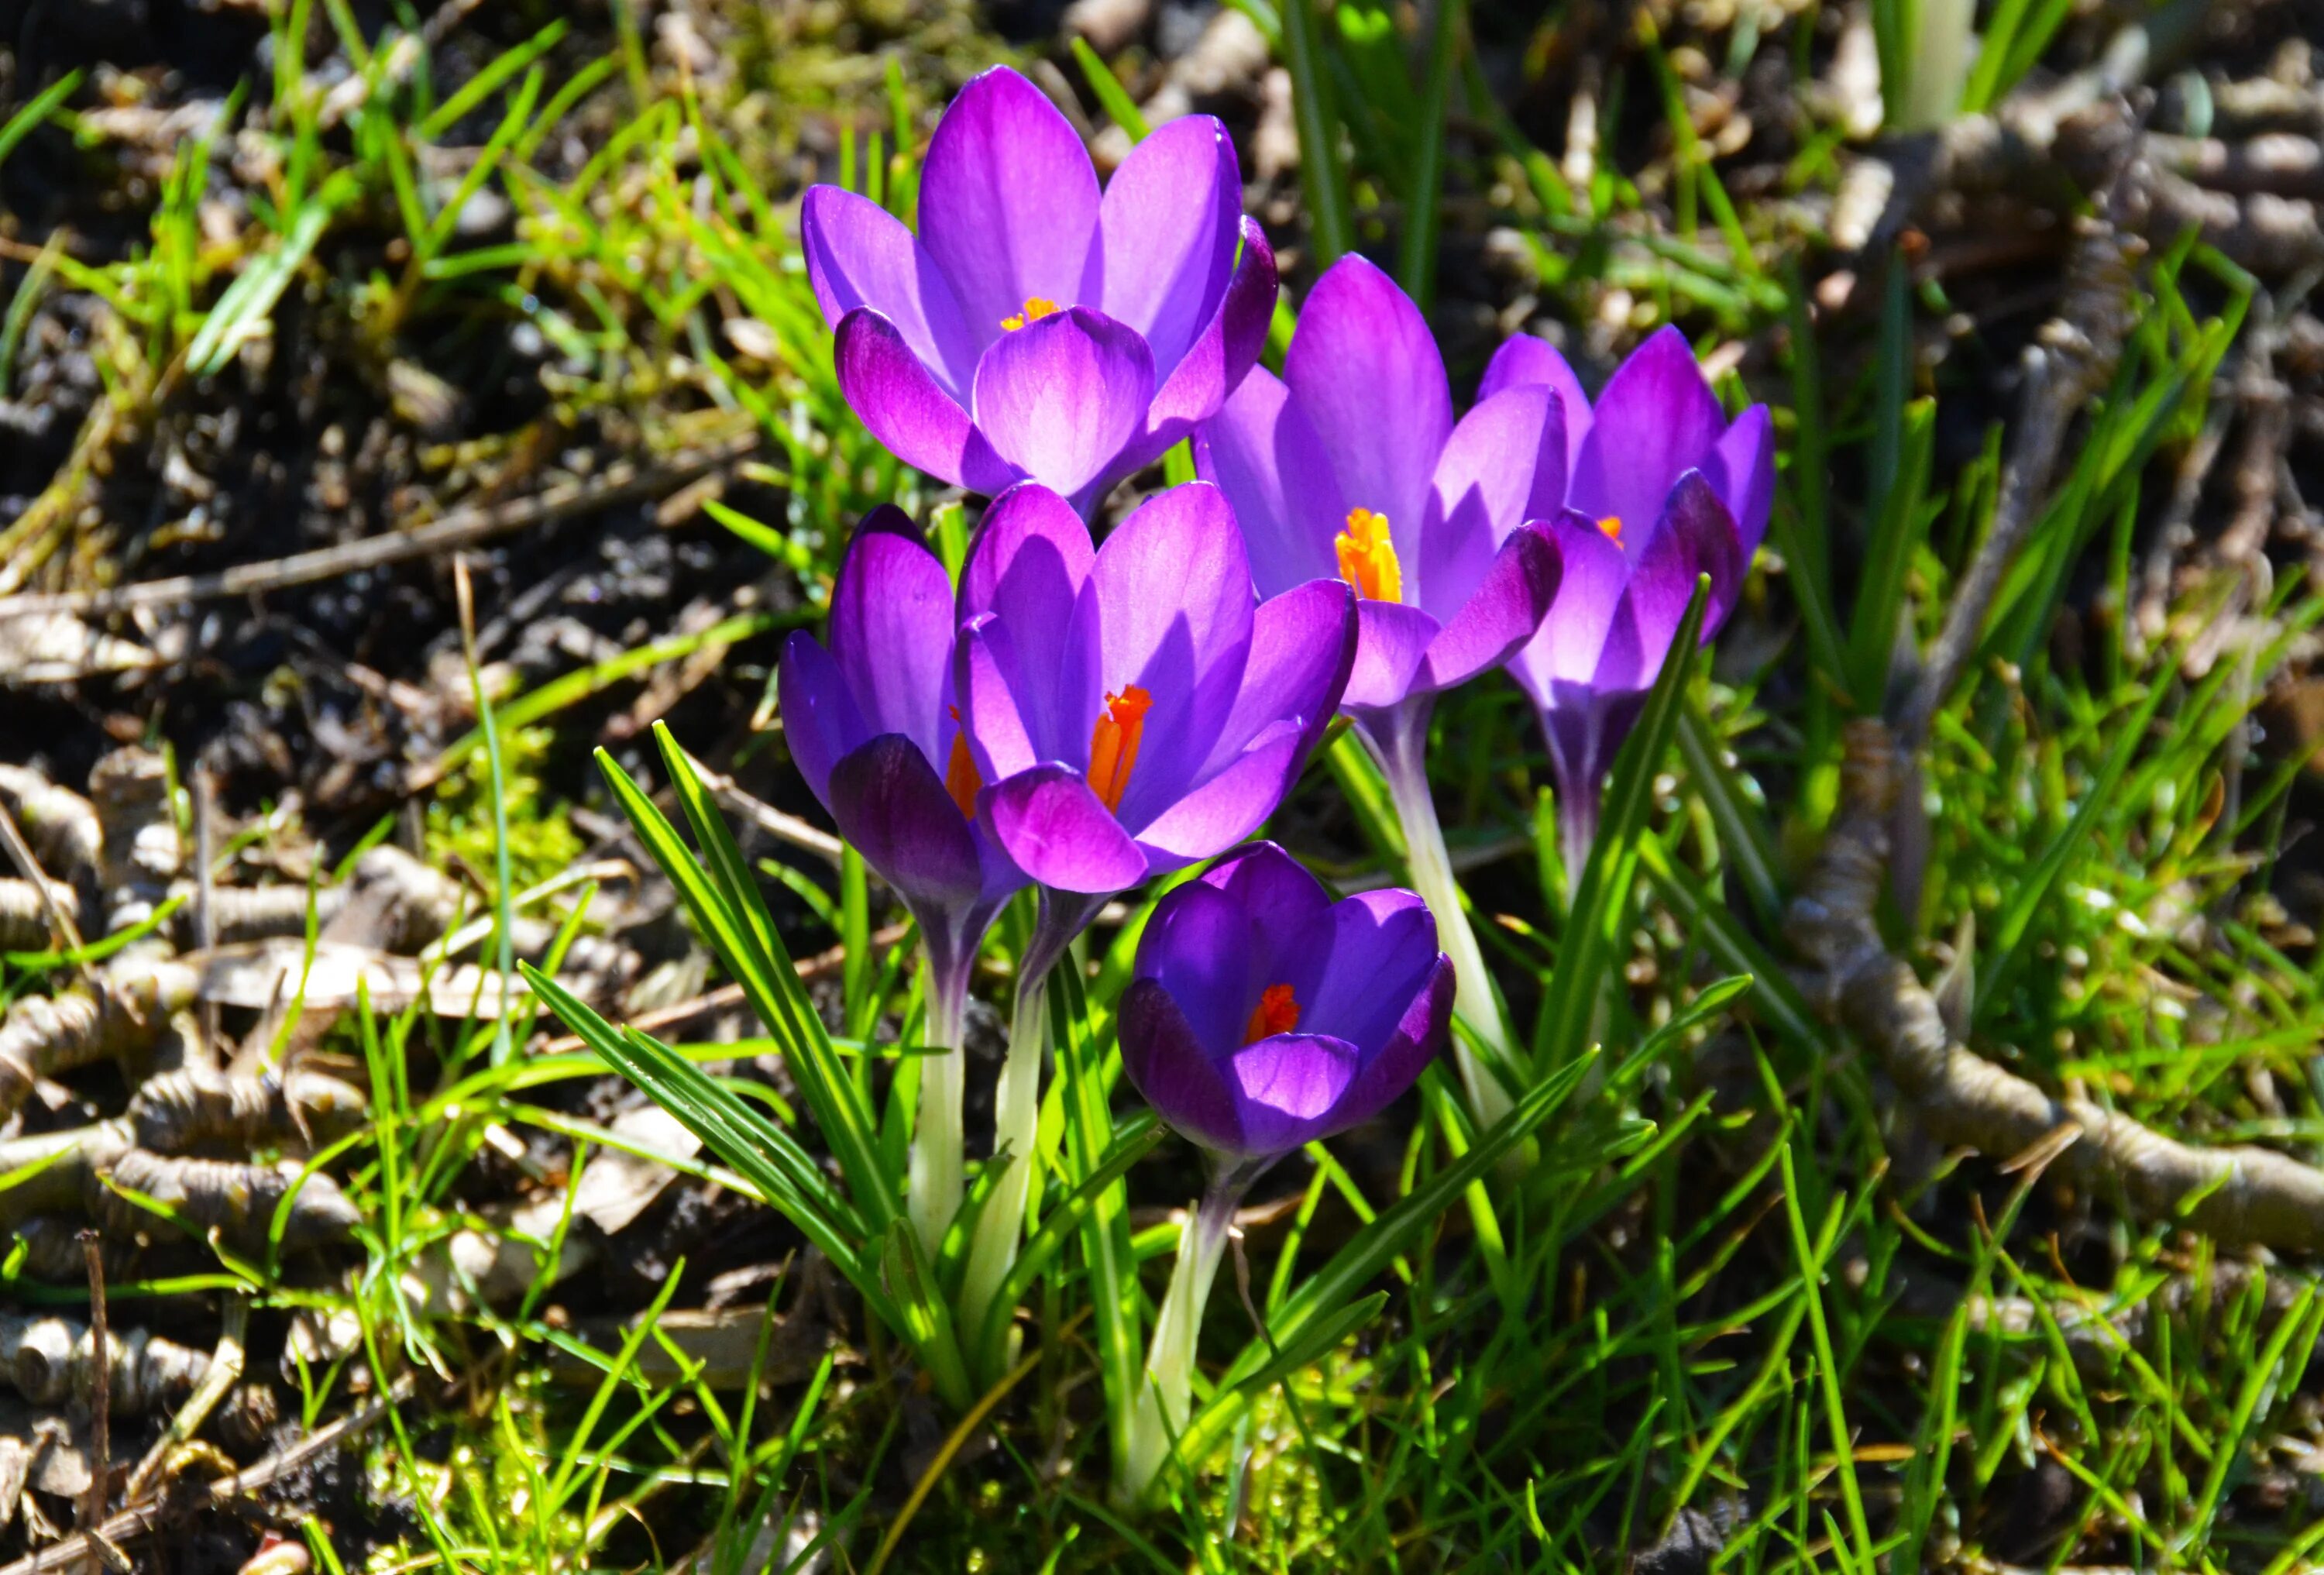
[820, 719]
[1392, 641]
[1504, 464]
[891, 629]
[1262, 452]
[1165, 239]
[1504, 612]
[1059, 398]
[1526, 361]
[1229, 807]
[1059, 832]
[1573, 636]
[859, 254]
[1693, 537]
[906, 410]
[1165, 1060]
[892, 809]
[1287, 1089]
[1302, 644]
[1218, 360]
[1001, 736]
[1367, 370]
[1008, 201]
[1175, 608]
[1743, 471]
[1030, 565]
[1655, 418]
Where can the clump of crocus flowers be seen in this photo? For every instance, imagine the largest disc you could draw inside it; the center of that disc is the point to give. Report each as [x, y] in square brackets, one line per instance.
[1081, 716]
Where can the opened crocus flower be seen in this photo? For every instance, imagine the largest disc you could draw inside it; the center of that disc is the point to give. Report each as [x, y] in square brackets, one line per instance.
[872, 724]
[1661, 489]
[1033, 328]
[1353, 465]
[1264, 1016]
[1130, 710]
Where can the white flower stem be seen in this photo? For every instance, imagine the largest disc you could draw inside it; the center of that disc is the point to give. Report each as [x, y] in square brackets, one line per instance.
[1398, 740]
[1017, 1114]
[932, 1188]
[1165, 1397]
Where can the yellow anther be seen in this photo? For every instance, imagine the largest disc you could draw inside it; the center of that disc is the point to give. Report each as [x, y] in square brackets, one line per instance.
[1037, 307]
[1368, 558]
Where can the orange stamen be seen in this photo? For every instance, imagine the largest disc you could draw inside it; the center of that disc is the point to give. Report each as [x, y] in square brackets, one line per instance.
[1368, 558]
[1113, 743]
[1278, 1012]
[1037, 307]
[962, 778]
[1612, 526]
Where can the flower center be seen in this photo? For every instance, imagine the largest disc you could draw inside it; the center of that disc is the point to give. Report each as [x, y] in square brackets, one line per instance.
[1037, 307]
[962, 779]
[1113, 743]
[1612, 526]
[1368, 558]
[1278, 1012]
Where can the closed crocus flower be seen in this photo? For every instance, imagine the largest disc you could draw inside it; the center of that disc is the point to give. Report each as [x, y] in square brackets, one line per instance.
[872, 724]
[1353, 464]
[1264, 1016]
[1035, 329]
[1661, 489]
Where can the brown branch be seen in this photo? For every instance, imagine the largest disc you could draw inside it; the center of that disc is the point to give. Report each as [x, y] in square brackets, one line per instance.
[2238, 1195]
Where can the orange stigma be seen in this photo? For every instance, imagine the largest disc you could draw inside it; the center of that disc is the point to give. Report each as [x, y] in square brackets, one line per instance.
[962, 779]
[1278, 1012]
[1368, 558]
[1037, 307]
[1113, 743]
[1612, 526]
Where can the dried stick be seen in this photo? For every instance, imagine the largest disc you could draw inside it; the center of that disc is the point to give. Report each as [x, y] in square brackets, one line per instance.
[2238, 1195]
[100, 1385]
[224, 1371]
[461, 528]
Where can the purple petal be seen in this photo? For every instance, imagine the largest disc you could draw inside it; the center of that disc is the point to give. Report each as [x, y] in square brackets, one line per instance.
[1166, 1062]
[1030, 565]
[1504, 464]
[1585, 728]
[1392, 641]
[820, 719]
[1655, 417]
[1262, 452]
[859, 254]
[892, 809]
[1228, 806]
[906, 410]
[891, 629]
[1281, 897]
[1743, 471]
[1419, 1037]
[1218, 360]
[1165, 239]
[1009, 202]
[1058, 831]
[999, 718]
[1059, 398]
[1573, 636]
[1365, 368]
[1370, 952]
[1505, 612]
[1174, 607]
[1693, 536]
[1303, 644]
[1287, 1088]
[1201, 946]
[1526, 360]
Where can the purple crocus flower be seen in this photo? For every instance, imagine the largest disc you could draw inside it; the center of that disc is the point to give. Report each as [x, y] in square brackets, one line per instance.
[1033, 328]
[1264, 1016]
[1353, 463]
[1135, 708]
[1661, 489]
[872, 724]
